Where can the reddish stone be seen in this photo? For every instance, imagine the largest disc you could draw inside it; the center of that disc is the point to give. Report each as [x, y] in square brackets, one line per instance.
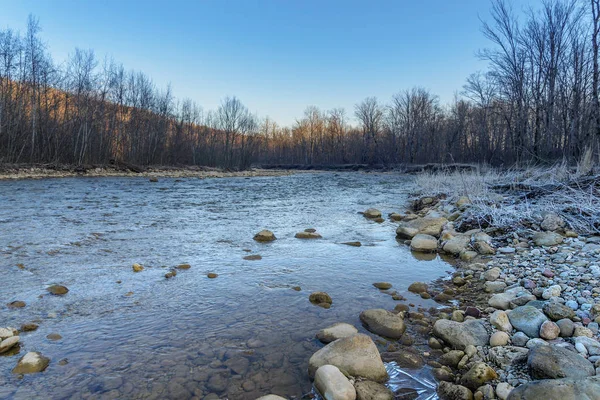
[547, 273]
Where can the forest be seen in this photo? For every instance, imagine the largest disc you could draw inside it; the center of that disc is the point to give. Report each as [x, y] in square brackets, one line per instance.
[537, 102]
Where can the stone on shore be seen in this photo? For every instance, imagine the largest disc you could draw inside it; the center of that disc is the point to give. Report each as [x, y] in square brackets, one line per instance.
[461, 334]
[383, 322]
[450, 391]
[547, 239]
[591, 346]
[8, 343]
[355, 355]
[528, 320]
[549, 330]
[335, 332]
[417, 287]
[457, 244]
[57, 290]
[428, 225]
[264, 236]
[558, 389]
[30, 363]
[270, 397]
[478, 375]
[333, 385]
[499, 339]
[553, 362]
[424, 243]
[556, 311]
[369, 390]
[566, 326]
[499, 319]
[7, 332]
[505, 356]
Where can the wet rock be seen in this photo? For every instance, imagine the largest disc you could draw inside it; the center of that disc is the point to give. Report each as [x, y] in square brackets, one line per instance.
[8, 343]
[443, 374]
[457, 244]
[16, 304]
[320, 299]
[239, 365]
[171, 274]
[264, 236]
[153, 179]
[451, 358]
[53, 336]
[382, 285]
[547, 239]
[549, 330]
[7, 332]
[424, 243]
[449, 391]
[253, 257]
[503, 301]
[528, 320]
[29, 326]
[372, 213]
[558, 389]
[217, 382]
[211, 275]
[552, 362]
[479, 374]
[30, 363]
[404, 359]
[307, 235]
[427, 226]
[137, 267]
[353, 244]
[335, 332]
[332, 384]
[556, 311]
[461, 334]
[484, 248]
[57, 290]
[417, 287]
[499, 339]
[369, 390]
[492, 274]
[499, 319]
[356, 355]
[383, 322]
[184, 266]
[566, 327]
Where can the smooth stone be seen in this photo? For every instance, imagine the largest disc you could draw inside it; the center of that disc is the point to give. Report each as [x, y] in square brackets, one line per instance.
[417, 287]
[461, 334]
[369, 390]
[264, 236]
[307, 235]
[592, 346]
[494, 287]
[566, 326]
[552, 291]
[8, 343]
[547, 239]
[527, 319]
[424, 243]
[335, 332]
[582, 331]
[549, 330]
[558, 389]
[383, 322]
[183, 266]
[499, 319]
[30, 363]
[492, 274]
[7, 332]
[499, 339]
[427, 225]
[531, 343]
[451, 358]
[372, 213]
[383, 285]
[16, 304]
[552, 362]
[29, 327]
[137, 267]
[333, 385]
[57, 290]
[320, 298]
[503, 390]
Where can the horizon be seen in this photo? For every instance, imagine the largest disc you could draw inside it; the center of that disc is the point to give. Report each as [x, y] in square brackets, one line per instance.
[254, 53]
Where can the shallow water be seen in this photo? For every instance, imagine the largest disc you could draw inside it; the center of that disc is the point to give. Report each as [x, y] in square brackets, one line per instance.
[241, 335]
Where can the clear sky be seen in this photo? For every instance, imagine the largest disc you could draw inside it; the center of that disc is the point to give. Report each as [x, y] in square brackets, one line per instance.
[277, 56]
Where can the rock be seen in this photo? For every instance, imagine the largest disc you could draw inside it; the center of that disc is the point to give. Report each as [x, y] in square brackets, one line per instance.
[503, 390]
[558, 389]
[531, 343]
[252, 257]
[29, 326]
[463, 201]
[383, 322]
[472, 312]
[58, 290]
[270, 397]
[428, 226]
[484, 248]
[451, 358]
[212, 275]
[494, 287]
[556, 311]
[547, 239]
[468, 255]
[137, 267]
[520, 339]
[552, 222]
[566, 327]
[443, 374]
[353, 244]
[457, 244]
[30, 363]
[582, 331]
[553, 362]
[382, 285]
[492, 274]
[458, 316]
[503, 301]
[53, 336]
[528, 320]
[7, 332]
[461, 334]
[552, 291]
[549, 330]
[355, 355]
[153, 179]
[499, 339]
[183, 266]
[450, 391]
[506, 356]
[499, 319]
[264, 236]
[507, 250]
[417, 287]
[8, 343]
[424, 243]
[470, 350]
[479, 374]
[16, 304]
[171, 274]
[319, 298]
[404, 359]
[332, 384]
[592, 346]
[372, 213]
[369, 390]
[335, 332]
[396, 216]
[307, 235]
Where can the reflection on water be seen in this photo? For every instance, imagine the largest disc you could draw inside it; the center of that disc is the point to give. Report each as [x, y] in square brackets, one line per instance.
[241, 335]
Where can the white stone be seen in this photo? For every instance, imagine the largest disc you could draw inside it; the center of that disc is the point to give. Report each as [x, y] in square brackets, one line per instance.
[333, 385]
[503, 390]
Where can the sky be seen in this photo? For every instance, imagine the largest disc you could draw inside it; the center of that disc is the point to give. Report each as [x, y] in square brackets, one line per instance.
[276, 56]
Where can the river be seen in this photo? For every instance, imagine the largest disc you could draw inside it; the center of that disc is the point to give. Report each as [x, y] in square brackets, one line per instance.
[244, 334]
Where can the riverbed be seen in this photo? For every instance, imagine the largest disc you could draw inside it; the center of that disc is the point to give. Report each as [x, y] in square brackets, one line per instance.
[244, 334]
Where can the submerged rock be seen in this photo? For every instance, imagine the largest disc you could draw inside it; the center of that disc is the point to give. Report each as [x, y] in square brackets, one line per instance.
[321, 299]
[369, 390]
[372, 213]
[404, 359]
[417, 287]
[335, 332]
[31, 362]
[383, 322]
[253, 257]
[333, 385]
[212, 275]
[16, 304]
[264, 236]
[184, 266]
[353, 244]
[355, 355]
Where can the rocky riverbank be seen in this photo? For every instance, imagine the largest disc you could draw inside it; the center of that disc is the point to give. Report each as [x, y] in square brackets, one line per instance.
[38, 171]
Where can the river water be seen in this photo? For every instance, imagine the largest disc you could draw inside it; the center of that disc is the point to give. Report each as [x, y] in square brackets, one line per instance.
[242, 335]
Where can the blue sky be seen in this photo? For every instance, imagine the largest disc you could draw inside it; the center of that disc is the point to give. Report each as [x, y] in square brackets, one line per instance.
[277, 56]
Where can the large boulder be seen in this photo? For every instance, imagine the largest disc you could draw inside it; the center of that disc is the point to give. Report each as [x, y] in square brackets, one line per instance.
[428, 226]
[552, 362]
[547, 239]
[558, 389]
[335, 332]
[424, 243]
[333, 385]
[528, 320]
[461, 334]
[31, 363]
[369, 390]
[383, 322]
[355, 355]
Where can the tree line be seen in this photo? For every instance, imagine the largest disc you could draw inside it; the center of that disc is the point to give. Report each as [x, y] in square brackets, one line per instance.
[538, 101]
